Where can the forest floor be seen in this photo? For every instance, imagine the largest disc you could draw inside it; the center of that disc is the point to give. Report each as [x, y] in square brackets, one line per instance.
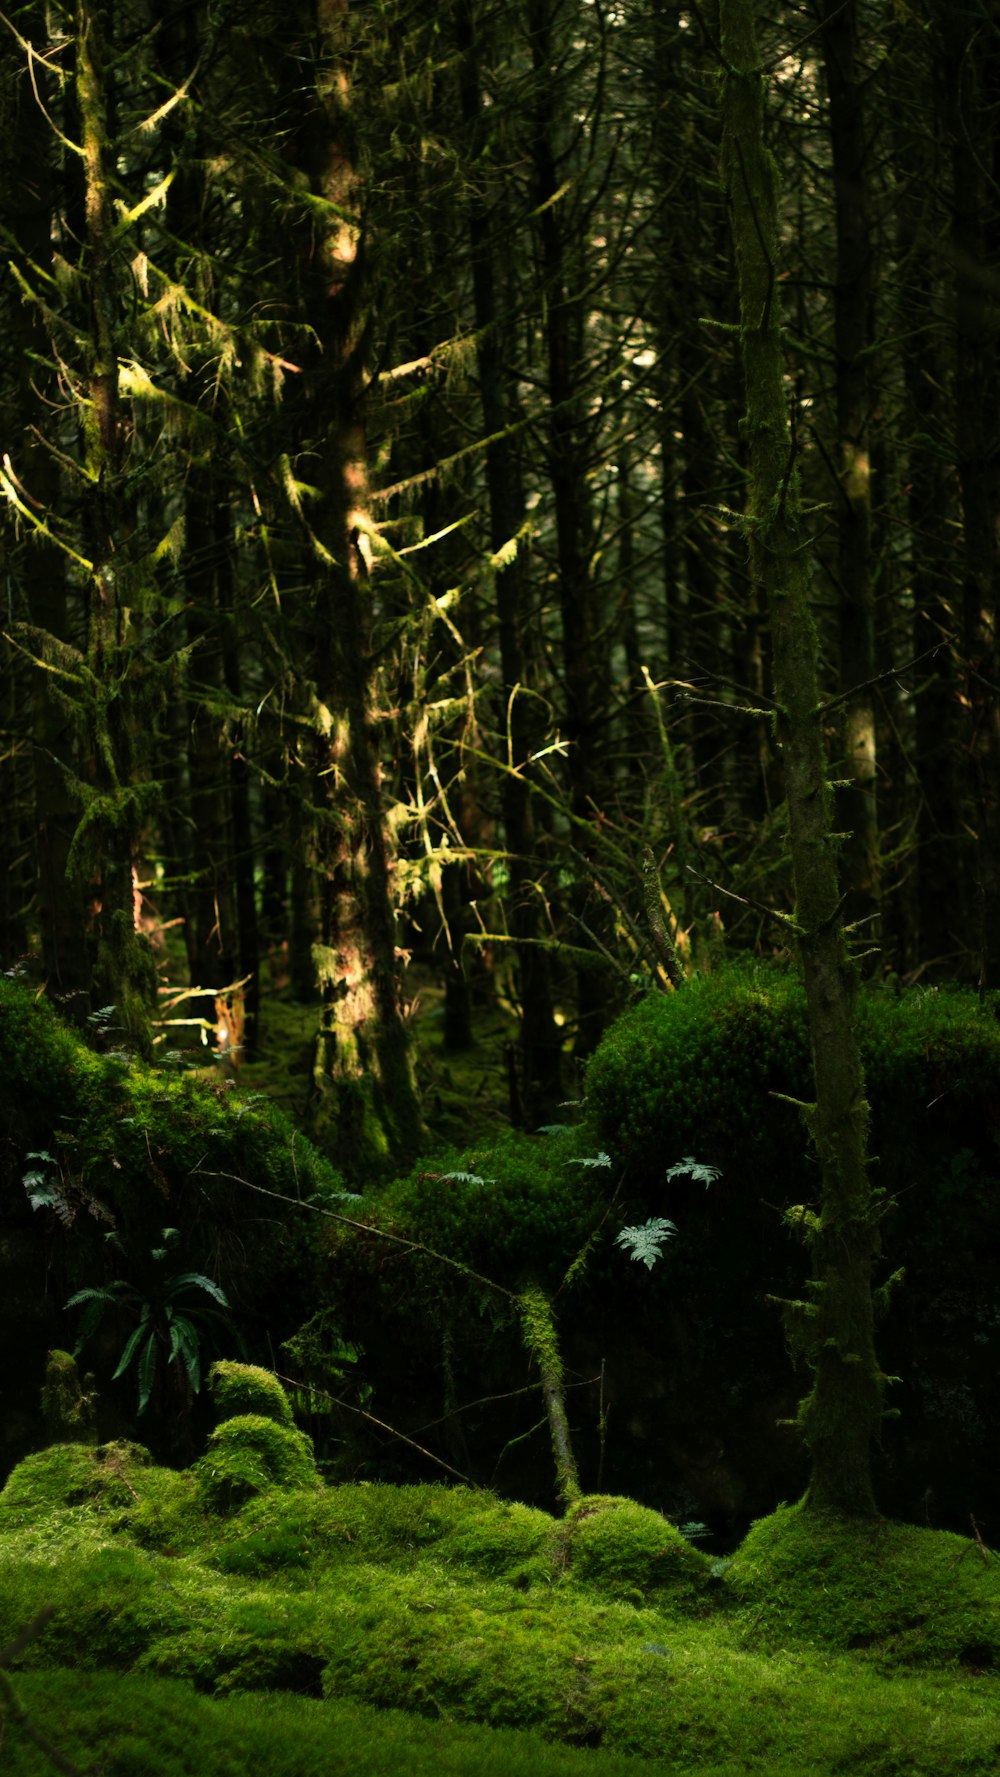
[426, 1629]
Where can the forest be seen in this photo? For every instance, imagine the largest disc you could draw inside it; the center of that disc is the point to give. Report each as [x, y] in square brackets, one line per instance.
[499, 887]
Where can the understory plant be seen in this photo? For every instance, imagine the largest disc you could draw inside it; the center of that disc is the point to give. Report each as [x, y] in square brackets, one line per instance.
[165, 1344]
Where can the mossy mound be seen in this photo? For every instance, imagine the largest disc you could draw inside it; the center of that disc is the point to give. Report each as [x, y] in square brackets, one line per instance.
[627, 1551]
[708, 1071]
[237, 1389]
[68, 1475]
[249, 1455]
[900, 1595]
[514, 1205]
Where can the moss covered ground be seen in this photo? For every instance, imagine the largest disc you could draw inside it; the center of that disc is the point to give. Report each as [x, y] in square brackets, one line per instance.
[294, 1628]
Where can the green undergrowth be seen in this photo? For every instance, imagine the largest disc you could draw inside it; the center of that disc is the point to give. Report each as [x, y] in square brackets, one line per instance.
[819, 1648]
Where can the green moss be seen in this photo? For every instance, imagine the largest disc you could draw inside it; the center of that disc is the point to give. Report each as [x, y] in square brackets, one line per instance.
[418, 1598]
[627, 1551]
[68, 1410]
[897, 1594]
[248, 1455]
[70, 1475]
[238, 1389]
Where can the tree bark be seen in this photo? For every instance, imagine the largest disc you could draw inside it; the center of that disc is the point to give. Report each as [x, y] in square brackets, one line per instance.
[852, 333]
[120, 795]
[365, 1105]
[540, 1048]
[842, 1412]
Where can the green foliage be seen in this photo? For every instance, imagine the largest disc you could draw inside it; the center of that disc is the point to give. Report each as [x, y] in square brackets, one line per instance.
[249, 1454]
[96, 1142]
[166, 1335]
[238, 1389]
[645, 1243]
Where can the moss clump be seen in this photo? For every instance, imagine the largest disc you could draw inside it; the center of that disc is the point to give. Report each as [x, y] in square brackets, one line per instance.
[389, 1600]
[249, 1455]
[895, 1593]
[68, 1475]
[68, 1409]
[508, 1207]
[697, 1073]
[238, 1389]
[630, 1552]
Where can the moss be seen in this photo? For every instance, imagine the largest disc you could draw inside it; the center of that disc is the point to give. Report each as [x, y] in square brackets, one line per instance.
[248, 1455]
[238, 1389]
[70, 1475]
[895, 1593]
[68, 1410]
[627, 1551]
[413, 1598]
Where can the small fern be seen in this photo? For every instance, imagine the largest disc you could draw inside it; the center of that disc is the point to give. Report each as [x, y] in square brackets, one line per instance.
[696, 1169]
[644, 1243]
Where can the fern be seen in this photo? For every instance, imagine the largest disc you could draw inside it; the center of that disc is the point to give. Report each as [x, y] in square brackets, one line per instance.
[696, 1169]
[466, 1178]
[644, 1243]
[601, 1159]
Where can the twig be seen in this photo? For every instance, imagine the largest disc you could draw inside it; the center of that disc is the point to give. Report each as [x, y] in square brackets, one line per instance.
[415, 1246]
[784, 919]
[983, 1550]
[662, 940]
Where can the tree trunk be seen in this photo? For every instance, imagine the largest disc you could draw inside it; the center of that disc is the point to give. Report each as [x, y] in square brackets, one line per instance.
[119, 797]
[843, 1410]
[365, 1106]
[541, 1085]
[852, 332]
[971, 65]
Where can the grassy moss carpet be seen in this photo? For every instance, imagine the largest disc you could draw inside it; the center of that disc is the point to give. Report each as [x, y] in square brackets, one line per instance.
[373, 1628]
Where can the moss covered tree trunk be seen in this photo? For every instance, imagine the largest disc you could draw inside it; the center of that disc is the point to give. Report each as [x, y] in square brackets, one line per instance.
[843, 1409]
[117, 687]
[538, 1330]
[366, 1106]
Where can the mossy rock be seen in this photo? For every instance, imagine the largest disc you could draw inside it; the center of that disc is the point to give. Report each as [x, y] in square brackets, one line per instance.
[239, 1389]
[896, 1593]
[633, 1553]
[249, 1455]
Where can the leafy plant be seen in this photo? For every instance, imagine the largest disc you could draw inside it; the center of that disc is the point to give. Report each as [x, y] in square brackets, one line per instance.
[167, 1332]
[644, 1243]
[696, 1169]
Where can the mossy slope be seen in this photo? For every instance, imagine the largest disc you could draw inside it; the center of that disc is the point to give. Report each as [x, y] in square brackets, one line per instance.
[602, 1629]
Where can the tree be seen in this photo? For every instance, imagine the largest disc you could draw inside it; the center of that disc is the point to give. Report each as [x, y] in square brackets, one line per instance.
[843, 1410]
